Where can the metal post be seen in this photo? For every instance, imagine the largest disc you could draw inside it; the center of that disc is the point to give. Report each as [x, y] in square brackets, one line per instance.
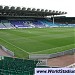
[53, 19]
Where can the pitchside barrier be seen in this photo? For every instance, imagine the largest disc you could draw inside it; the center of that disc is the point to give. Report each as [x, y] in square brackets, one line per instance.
[7, 51]
[47, 56]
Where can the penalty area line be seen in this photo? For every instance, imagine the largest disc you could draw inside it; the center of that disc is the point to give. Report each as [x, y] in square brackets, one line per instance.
[52, 49]
[15, 46]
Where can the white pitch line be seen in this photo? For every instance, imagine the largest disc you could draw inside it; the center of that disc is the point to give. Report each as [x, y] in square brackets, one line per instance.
[15, 46]
[51, 49]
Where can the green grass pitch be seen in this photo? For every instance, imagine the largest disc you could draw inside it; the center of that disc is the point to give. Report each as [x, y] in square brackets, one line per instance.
[37, 40]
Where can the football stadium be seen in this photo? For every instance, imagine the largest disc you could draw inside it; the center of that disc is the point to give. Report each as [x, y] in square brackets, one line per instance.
[30, 39]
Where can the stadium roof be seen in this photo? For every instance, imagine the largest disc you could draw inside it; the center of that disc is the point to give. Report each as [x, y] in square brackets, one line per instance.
[18, 11]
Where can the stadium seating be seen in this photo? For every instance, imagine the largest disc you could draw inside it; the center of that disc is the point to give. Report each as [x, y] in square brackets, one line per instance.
[2, 26]
[19, 24]
[38, 24]
[35, 23]
[6, 23]
[13, 66]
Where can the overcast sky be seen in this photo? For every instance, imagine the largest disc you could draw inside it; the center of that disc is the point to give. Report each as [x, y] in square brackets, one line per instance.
[60, 5]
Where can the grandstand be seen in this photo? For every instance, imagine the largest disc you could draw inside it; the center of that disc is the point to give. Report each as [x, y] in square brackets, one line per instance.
[31, 23]
[27, 32]
[17, 17]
